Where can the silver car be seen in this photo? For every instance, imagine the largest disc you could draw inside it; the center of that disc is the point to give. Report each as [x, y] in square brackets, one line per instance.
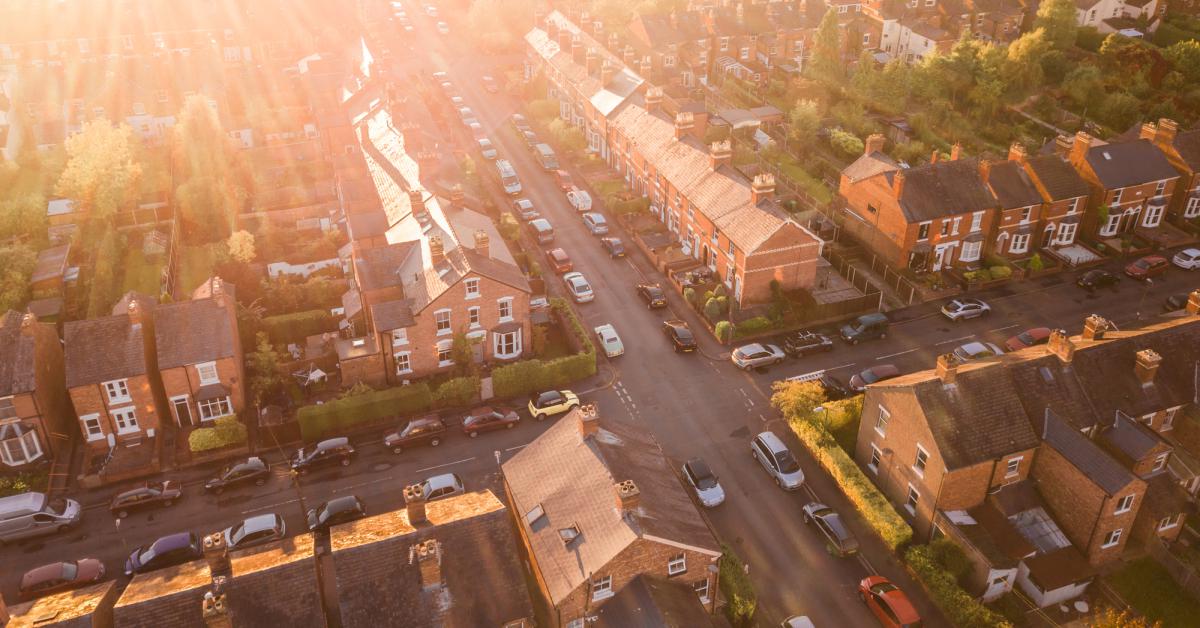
[756, 355]
[442, 486]
[704, 482]
[840, 538]
[255, 531]
[777, 460]
[579, 287]
[962, 309]
[976, 351]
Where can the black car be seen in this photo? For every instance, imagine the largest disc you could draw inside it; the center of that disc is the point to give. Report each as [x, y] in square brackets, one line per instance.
[1097, 278]
[652, 294]
[173, 549]
[803, 343]
[614, 246]
[324, 453]
[156, 494]
[1175, 302]
[833, 388]
[680, 335]
[335, 511]
[426, 430]
[252, 469]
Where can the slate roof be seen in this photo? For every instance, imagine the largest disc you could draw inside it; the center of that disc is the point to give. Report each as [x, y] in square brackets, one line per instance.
[379, 267]
[1187, 144]
[1129, 163]
[945, 188]
[51, 263]
[1130, 438]
[392, 315]
[1059, 177]
[1012, 186]
[193, 331]
[650, 602]
[483, 582]
[103, 349]
[868, 166]
[1092, 461]
[1045, 382]
[165, 597]
[276, 585]
[18, 372]
[573, 480]
[80, 608]
[1059, 568]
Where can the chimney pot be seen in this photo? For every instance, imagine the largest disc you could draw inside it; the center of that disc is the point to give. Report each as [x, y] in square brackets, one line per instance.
[416, 198]
[437, 252]
[414, 503]
[135, 312]
[654, 98]
[947, 368]
[1146, 365]
[762, 188]
[28, 324]
[720, 154]
[933, 158]
[1079, 149]
[684, 123]
[215, 611]
[1193, 304]
[955, 151]
[1017, 153]
[481, 242]
[606, 73]
[628, 495]
[874, 144]
[216, 553]
[1167, 128]
[1094, 327]
[429, 561]
[1061, 345]
[898, 183]
[1148, 131]
[589, 420]
[592, 62]
[985, 169]
[457, 195]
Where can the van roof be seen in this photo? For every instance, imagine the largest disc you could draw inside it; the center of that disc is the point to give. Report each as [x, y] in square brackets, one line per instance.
[25, 502]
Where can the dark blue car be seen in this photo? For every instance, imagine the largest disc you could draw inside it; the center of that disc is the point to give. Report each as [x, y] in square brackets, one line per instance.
[173, 549]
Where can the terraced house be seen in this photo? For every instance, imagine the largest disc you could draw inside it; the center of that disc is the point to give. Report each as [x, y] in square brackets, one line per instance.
[35, 418]
[1132, 181]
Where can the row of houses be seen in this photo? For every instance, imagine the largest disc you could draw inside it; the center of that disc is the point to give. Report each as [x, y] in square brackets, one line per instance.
[1050, 463]
[955, 212]
[604, 532]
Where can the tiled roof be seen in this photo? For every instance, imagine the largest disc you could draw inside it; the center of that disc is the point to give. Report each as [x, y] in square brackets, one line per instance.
[103, 349]
[17, 353]
[573, 479]
[392, 315]
[1092, 461]
[650, 602]
[166, 597]
[1129, 163]
[1187, 144]
[379, 267]
[1044, 382]
[944, 188]
[276, 585]
[1130, 438]
[1106, 369]
[193, 331]
[51, 263]
[378, 578]
[1060, 179]
[80, 608]
[1012, 186]
[868, 166]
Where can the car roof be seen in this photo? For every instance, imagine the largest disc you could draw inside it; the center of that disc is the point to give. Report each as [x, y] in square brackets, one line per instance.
[884, 369]
[607, 327]
[754, 346]
[540, 223]
[171, 542]
[974, 347]
[699, 468]
[341, 441]
[443, 480]
[41, 574]
[260, 522]
[772, 441]
[1191, 251]
[345, 502]
[559, 253]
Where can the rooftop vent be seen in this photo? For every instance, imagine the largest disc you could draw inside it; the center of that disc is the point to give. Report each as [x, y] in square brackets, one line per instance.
[534, 515]
[568, 535]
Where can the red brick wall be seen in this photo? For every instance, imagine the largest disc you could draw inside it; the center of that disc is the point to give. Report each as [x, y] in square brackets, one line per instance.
[186, 381]
[92, 398]
[50, 396]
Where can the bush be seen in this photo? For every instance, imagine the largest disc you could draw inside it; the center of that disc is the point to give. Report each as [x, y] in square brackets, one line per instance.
[287, 328]
[713, 310]
[519, 378]
[457, 392]
[574, 326]
[23, 482]
[754, 325]
[960, 608]
[510, 229]
[1089, 38]
[689, 295]
[226, 432]
[631, 206]
[982, 274]
[1035, 263]
[338, 416]
[736, 585]
[284, 296]
[1001, 272]
[724, 331]
[845, 142]
[951, 557]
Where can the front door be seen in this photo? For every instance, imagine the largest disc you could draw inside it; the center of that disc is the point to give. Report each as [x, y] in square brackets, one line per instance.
[942, 256]
[183, 411]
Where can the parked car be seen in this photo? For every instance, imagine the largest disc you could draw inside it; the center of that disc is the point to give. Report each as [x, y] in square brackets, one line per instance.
[251, 470]
[466, 114]
[595, 223]
[443, 28]
[829, 522]
[523, 208]
[609, 339]
[486, 148]
[335, 511]
[969, 351]
[425, 430]
[1097, 278]
[1028, 338]
[1147, 267]
[563, 179]
[756, 355]
[680, 336]
[149, 494]
[552, 402]
[529, 137]
[442, 486]
[519, 122]
[797, 621]
[559, 260]
[324, 453]
[173, 549]
[888, 603]
[255, 530]
[34, 514]
[1187, 259]
[777, 460]
[579, 199]
[1176, 301]
[865, 327]
[614, 246]
[543, 231]
[833, 387]
[652, 294]
[965, 308]
[489, 84]
[578, 286]
[489, 419]
[802, 343]
[879, 373]
[57, 577]
[704, 483]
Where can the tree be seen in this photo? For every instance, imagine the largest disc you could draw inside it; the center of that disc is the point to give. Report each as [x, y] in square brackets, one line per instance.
[104, 285]
[845, 142]
[827, 49]
[1185, 56]
[263, 365]
[101, 175]
[23, 217]
[213, 181]
[799, 400]
[1120, 110]
[1023, 64]
[1084, 85]
[1110, 618]
[804, 122]
[17, 262]
[1058, 19]
[241, 246]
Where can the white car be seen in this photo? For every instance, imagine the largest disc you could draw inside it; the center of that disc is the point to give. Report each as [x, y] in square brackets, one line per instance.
[1187, 259]
[595, 223]
[609, 339]
[962, 309]
[486, 149]
[580, 200]
[442, 486]
[255, 531]
[755, 355]
[579, 287]
[777, 460]
[976, 351]
[704, 482]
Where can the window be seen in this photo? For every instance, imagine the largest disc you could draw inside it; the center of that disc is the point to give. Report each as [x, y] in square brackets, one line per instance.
[1193, 207]
[881, 422]
[1074, 205]
[1166, 523]
[473, 316]
[701, 589]
[128, 42]
[945, 230]
[745, 54]
[213, 408]
[441, 319]
[955, 224]
[472, 288]
[602, 588]
[1110, 228]
[1026, 214]
[923, 231]
[876, 458]
[118, 390]
[139, 109]
[1020, 243]
[576, 623]
[1013, 467]
[724, 44]
[91, 426]
[399, 336]
[676, 565]
[507, 345]
[1169, 418]
[84, 46]
[1160, 461]
[1116, 197]
[911, 503]
[1154, 214]
[1112, 538]
[970, 252]
[161, 96]
[126, 420]
[445, 357]
[866, 39]
[1066, 233]
[403, 363]
[208, 373]
[1160, 188]
[19, 444]
[505, 309]
[921, 460]
[7, 410]
[1124, 505]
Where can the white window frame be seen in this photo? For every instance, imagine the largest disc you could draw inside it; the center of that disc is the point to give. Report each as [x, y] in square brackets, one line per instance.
[1019, 243]
[125, 420]
[1112, 539]
[399, 336]
[970, 251]
[876, 459]
[501, 341]
[1110, 228]
[1074, 205]
[1192, 209]
[1124, 505]
[1116, 197]
[1160, 188]
[212, 409]
[881, 421]
[1012, 467]
[441, 322]
[8, 410]
[578, 622]
[1166, 523]
[912, 500]
[700, 588]
[677, 564]
[472, 287]
[1153, 215]
[920, 461]
[117, 391]
[1160, 461]
[1066, 233]
[207, 372]
[30, 447]
[926, 227]
[505, 308]
[405, 358]
[1169, 419]
[602, 588]
[93, 429]
[473, 317]
[445, 346]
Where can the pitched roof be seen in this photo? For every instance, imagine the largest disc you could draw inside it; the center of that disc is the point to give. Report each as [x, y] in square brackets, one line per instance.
[79, 608]
[379, 267]
[944, 188]
[1129, 163]
[193, 331]
[1059, 568]
[166, 597]
[51, 263]
[1130, 438]
[18, 373]
[392, 315]
[103, 349]
[572, 479]
[1061, 180]
[1187, 144]
[1099, 467]
[1012, 186]
[276, 585]
[651, 602]
[1044, 382]
[868, 166]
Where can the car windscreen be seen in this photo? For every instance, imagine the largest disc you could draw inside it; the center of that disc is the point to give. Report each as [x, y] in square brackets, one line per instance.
[147, 555]
[787, 463]
[70, 570]
[683, 333]
[238, 533]
[869, 376]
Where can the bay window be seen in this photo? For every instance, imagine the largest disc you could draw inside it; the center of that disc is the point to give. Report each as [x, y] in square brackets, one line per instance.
[19, 444]
[506, 345]
[213, 408]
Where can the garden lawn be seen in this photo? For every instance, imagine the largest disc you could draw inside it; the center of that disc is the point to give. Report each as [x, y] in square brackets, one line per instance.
[1150, 590]
[811, 185]
[195, 265]
[608, 188]
[556, 344]
[141, 273]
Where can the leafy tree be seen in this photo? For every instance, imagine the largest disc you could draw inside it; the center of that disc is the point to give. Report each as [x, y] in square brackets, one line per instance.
[17, 262]
[1185, 56]
[1024, 59]
[800, 400]
[845, 142]
[241, 246]
[1084, 84]
[805, 121]
[104, 282]
[1110, 618]
[213, 182]
[1058, 19]
[1120, 109]
[263, 364]
[23, 217]
[101, 174]
[1131, 56]
[827, 49]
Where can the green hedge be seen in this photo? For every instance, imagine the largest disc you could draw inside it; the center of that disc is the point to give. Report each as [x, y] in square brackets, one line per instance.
[457, 392]
[753, 326]
[296, 327]
[24, 482]
[226, 431]
[336, 417]
[526, 377]
[960, 608]
[738, 589]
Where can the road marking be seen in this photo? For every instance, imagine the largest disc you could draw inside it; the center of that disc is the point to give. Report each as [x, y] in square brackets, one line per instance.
[290, 501]
[892, 355]
[1003, 328]
[844, 366]
[954, 340]
[362, 484]
[517, 447]
[439, 466]
[866, 564]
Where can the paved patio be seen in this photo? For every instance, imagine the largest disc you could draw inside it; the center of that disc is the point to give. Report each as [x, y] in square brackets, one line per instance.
[830, 286]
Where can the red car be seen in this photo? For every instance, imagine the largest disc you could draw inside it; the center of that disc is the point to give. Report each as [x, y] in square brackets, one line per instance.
[888, 603]
[1147, 267]
[564, 180]
[1028, 338]
[486, 419]
[57, 577]
[559, 261]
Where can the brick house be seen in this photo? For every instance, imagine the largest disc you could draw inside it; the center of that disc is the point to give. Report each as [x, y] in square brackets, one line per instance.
[1133, 180]
[35, 415]
[1064, 196]
[678, 46]
[929, 217]
[1021, 208]
[597, 507]
[86, 606]
[1183, 151]
[915, 440]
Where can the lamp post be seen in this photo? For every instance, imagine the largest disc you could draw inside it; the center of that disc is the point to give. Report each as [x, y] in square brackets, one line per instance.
[824, 414]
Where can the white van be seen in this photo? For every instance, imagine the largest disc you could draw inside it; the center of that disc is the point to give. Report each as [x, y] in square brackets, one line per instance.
[32, 514]
[580, 200]
[508, 177]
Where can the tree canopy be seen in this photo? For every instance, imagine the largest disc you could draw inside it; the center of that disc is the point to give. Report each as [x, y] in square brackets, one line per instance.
[16, 265]
[826, 62]
[211, 180]
[101, 174]
[1058, 19]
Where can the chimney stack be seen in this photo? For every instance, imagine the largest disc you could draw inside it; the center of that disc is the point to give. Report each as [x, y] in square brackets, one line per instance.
[456, 195]
[437, 252]
[1193, 304]
[577, 51]
[135, 313]
[414, 503]
[874, 144]
[416, 198]
[216, 554]
[947, 368]
[955, 151]
[1146, 365]
[1167, 128]
[592, 62]
[29, 324]
[215, 611]
[720, 154]
[564, 40]
[627, 55]
[985, 169]
[1079, 150]
[551, 30]
[684, 123]
[606, 73]
[1094, 327]
[646, 66]
[1062, 145]
[614, 40]
[628, 495]
[933, 159]
[1061, 345]
[1016, 152]
[762, 188]
[898, 183]
[429, 561]
[1148, 131]
[654, 98]
[481, 242]
[589, 420]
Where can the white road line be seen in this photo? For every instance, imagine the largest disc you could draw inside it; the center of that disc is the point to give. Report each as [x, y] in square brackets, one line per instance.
[1003, 328]
[290, 501]
[439, 466]
[517, 447]
[892, 355]
[867, 564]
[844, 366]
[362, 484]
[954, 340]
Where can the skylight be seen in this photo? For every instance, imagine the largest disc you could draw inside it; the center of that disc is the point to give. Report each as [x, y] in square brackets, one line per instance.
[535, 513]
[569, 534]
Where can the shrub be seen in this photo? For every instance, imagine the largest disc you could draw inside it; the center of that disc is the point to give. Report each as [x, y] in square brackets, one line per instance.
[951, 557]
[720, 290]
[712, 309]
[754, 325]
[457, 392]
[574, 326]
[689, 295]
[23, 482]
[631, 206]
[1000, 272]
[510, 229]
[284, 296]
[845, 142]
[724, 331]
[1089, 38]
[960, 608]
[743, 601]
[1036, 263]
[287, 328]
[226, 432]
[982, 274]
[317, 421]
[519, 378]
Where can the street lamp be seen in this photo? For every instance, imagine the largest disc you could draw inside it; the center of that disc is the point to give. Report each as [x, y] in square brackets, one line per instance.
[824, 413]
